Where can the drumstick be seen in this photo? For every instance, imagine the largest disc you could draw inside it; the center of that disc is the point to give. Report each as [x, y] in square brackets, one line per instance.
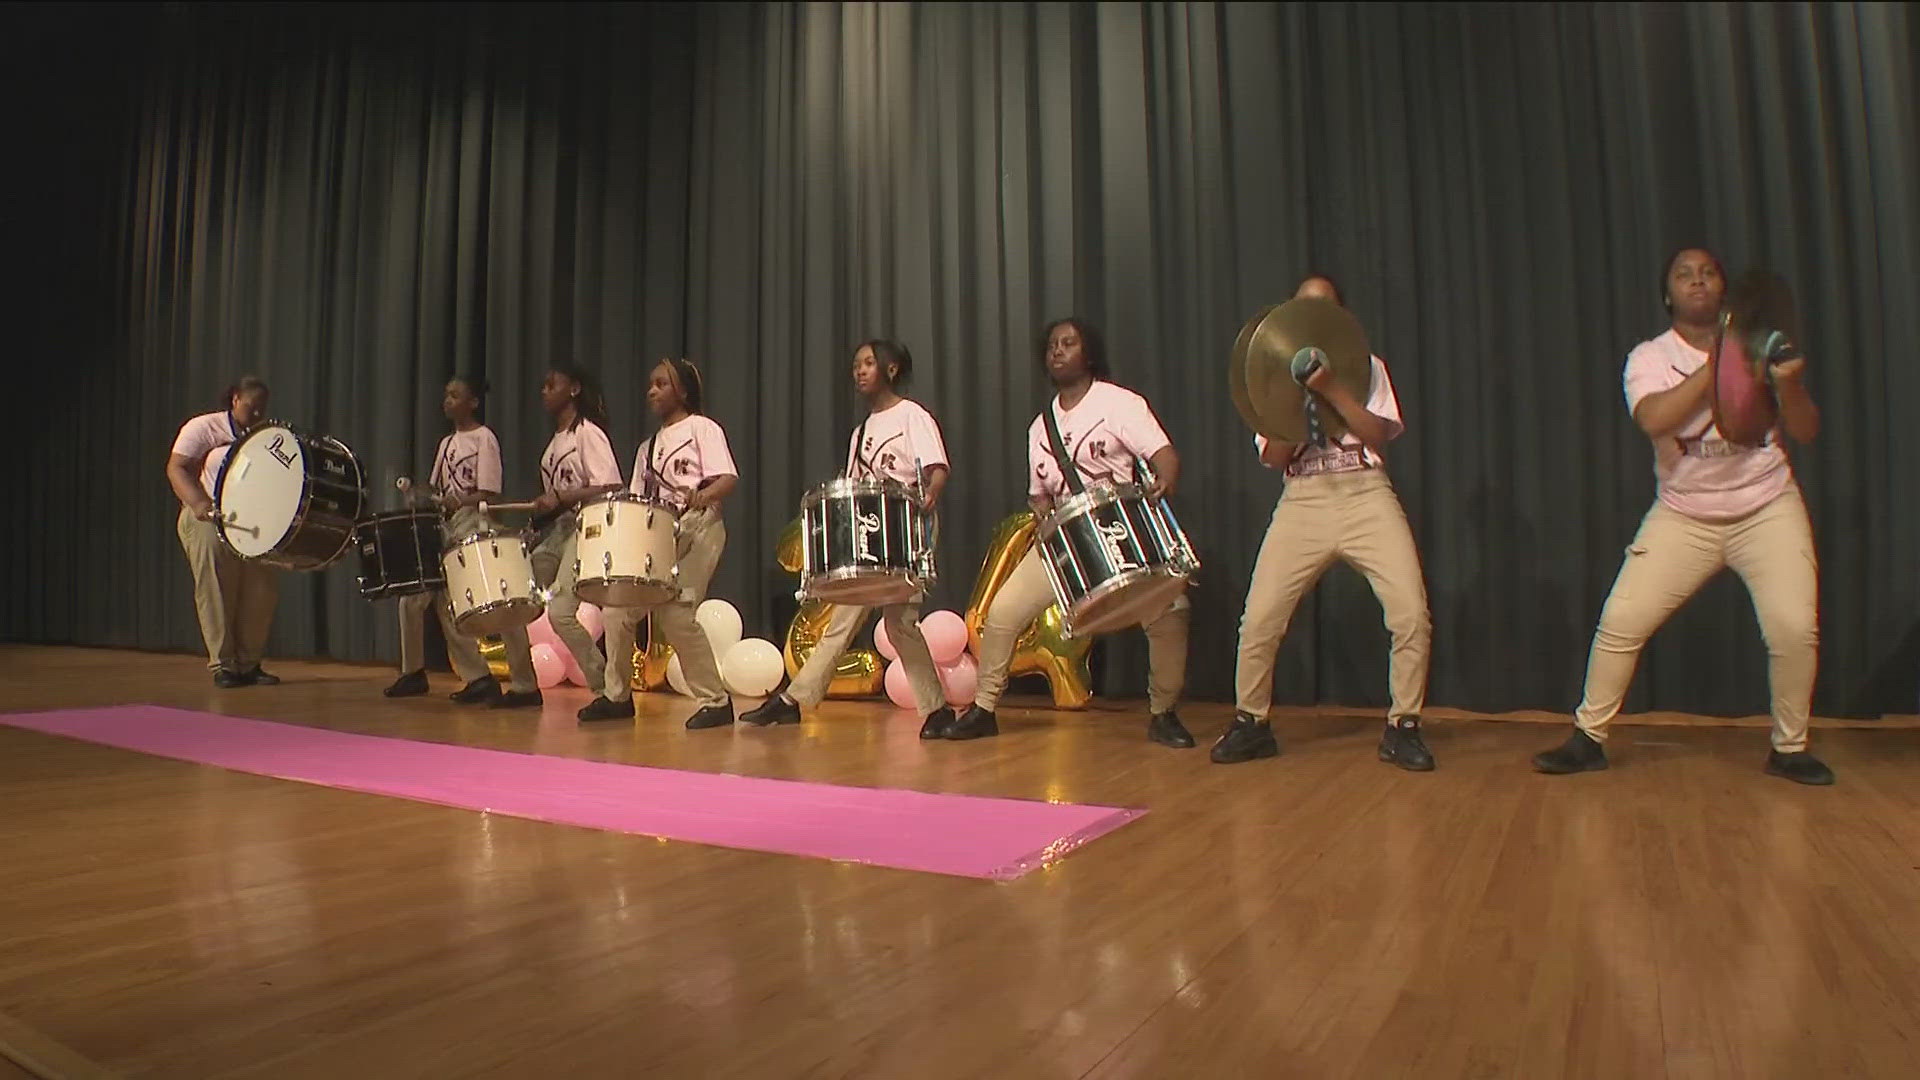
[484, 507]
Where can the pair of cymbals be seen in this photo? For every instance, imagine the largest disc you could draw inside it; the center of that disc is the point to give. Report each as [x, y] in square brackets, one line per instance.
[1260, 373]
[1758, 328]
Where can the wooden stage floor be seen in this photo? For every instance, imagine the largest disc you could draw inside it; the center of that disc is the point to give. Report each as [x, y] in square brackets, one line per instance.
[1317, 915]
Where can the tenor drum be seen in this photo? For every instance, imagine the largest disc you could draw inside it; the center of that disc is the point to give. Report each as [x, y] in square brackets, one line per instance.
[866, 542]
[400, 554]
[1114, 558]
[490, 583]
[628, 551]
[288, 499]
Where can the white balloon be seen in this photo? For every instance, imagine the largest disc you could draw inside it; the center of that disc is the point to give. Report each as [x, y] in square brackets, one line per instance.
[677, 678]
[721, 621]
[752, 668]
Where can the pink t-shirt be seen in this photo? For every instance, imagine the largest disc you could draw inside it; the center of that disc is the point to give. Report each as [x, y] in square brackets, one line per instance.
[900, 440]
[1699, 473]
[682, 456]
[578, 458]
[1103, 434]
[1348, 453]
[467, 461]
[205, 439]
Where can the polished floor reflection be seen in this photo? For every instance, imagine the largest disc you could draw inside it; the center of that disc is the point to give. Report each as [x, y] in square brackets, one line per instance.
[1315, 915]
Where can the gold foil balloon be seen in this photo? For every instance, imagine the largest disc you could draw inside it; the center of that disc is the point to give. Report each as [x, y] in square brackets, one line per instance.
[858, 672]
[650, 662]
[1043, 647]
[494, 652]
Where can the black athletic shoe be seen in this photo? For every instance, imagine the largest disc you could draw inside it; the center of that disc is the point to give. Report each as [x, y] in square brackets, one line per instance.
[601, 708]
[712, 716]
[975, 723]
[259, 677]
[1799, 767]
[1167, 730]
[1245, 740]
[938, 723]
[484, 690]
[776, 710]
[412, 684]
[518, 699]
[1401, 745]
[227, 679]
[1580, 753]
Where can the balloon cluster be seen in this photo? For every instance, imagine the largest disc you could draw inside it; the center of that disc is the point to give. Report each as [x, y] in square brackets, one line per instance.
[946, 637]
[750, 667]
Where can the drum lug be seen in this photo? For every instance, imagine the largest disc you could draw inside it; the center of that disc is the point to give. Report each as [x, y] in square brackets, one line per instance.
[461, 554]
[503, 587]
[576, 569]
[609, 514]
[496, 550]
[469, 597]
[606, 562]
[649, 564]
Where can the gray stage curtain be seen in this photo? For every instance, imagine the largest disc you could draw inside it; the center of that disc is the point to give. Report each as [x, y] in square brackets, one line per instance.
[357, 202]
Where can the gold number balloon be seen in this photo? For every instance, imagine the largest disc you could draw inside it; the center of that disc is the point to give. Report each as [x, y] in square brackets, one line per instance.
[649, 661]
[1043, 647]
[858, 672]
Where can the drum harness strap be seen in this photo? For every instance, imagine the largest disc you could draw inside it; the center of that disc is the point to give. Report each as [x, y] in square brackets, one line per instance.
[1068, 473]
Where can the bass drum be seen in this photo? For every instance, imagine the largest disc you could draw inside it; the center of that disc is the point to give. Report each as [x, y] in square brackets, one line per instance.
[288, 499]
[400, 554]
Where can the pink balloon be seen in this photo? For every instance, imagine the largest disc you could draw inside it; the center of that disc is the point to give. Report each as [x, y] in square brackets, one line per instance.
[883, 644]
[591, 618]
[548, 668]
[899, 690]
[574, 675]
[946, 635]
[541, 632]
[960, 679]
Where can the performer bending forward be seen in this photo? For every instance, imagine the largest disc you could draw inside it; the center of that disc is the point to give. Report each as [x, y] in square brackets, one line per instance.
[1105, 428]
[899, 440]
[688, 466]
[1338, 504]
[234, 597]
[1720, 504]
[466, 472]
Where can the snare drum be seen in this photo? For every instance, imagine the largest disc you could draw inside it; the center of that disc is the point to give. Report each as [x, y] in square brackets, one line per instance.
[628, 551]
[288, 499]
[867, 542]
[490, 583]
[400, 554]
[1114, 558]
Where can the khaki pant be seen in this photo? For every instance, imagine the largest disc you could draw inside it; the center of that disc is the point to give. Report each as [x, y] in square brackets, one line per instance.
[463, 651]
[1027, 593]
[703, 537]
[234, 598]
[1354, 517]
[1670, 558]
[903, 627]
[553, 561]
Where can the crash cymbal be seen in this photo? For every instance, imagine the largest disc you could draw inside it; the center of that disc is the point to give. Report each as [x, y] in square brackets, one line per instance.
[1278, 400]
[1237, 373]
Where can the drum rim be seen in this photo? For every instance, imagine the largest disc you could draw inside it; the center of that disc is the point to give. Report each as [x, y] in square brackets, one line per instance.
[1114, 584]
[495, 605]
[490, 534]
[626, 496]
[631, 579]
[1080, 504]
[841, 487]
[916, 584]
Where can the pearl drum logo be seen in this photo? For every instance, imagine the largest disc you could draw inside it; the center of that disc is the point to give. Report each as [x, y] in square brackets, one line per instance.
[277, 448]
[864, 528]
[1112, 538]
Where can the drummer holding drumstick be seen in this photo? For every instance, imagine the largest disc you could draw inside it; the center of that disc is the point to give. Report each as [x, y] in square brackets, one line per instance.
[688, 466]
[234, 597]
[466, 473]
[899, 440]
[1105, 429]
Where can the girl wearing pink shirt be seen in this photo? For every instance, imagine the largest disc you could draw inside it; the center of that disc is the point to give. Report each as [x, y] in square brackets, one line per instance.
[1106, 428]
[688, 465]
[1720, 505]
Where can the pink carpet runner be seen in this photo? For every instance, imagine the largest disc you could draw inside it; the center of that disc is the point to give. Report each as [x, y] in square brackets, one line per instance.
[962, 835]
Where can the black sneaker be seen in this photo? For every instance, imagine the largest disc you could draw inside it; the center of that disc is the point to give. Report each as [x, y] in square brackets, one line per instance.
[482, 691]
[975, 723]
[939, 722]
[601, 708]
[1167, 730]
[228, 679]
[1401, 745]
[1580, 753]
[518, 699]
[712, 716]
[776, 710]
[1245, 740]
[1799, 767]
[412, 684]
[259, 677]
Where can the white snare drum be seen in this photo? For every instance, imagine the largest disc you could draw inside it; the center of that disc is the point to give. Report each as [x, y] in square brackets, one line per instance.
[1114, 558]
[288, 499]
[628, 551]
[490, 583]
